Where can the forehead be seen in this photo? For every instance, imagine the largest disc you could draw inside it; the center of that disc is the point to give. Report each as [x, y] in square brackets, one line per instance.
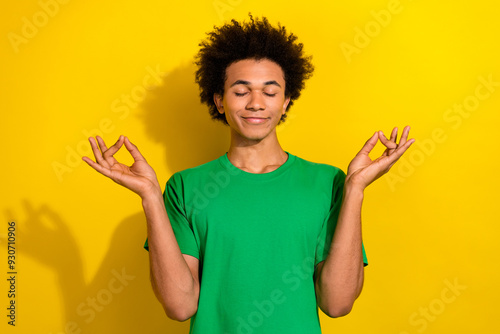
[254, 71]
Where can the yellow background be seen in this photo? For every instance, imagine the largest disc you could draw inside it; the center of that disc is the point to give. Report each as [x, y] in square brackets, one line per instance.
[429, 223]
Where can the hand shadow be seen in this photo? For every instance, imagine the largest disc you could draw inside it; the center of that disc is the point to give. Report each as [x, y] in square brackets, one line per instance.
[118, 299]
[46, 238]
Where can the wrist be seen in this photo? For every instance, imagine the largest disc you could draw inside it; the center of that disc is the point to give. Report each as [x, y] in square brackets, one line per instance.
[152, 195]
[353, 189]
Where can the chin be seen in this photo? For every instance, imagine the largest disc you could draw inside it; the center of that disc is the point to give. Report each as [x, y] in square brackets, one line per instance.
[255, 135]
[253, 132]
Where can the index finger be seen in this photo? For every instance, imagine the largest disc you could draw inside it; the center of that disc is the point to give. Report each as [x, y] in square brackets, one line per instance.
[399, 152]
[108, 154]
[134, 151]
[389, 143]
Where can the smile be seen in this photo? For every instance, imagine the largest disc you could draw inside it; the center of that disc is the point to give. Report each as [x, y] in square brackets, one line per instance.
[255, 120]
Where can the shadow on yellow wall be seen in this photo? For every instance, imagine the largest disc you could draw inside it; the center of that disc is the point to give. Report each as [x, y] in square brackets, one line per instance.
[119, 298]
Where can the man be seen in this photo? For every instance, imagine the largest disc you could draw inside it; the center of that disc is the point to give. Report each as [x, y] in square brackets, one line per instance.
[256, 240]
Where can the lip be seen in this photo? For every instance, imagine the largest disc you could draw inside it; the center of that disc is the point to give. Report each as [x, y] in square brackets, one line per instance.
[255, 120]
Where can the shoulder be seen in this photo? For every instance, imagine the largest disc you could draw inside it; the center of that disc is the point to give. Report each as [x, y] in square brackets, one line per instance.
[323, 169]
[195, 172]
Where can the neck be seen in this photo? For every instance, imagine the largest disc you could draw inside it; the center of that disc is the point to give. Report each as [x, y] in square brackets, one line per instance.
[256, 156]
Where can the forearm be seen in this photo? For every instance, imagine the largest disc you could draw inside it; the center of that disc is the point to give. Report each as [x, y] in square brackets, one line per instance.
[171, 278]
[341, 278]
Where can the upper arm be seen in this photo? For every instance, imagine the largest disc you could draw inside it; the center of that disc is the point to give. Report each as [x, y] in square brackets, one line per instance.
[194, 266]
[317, 271]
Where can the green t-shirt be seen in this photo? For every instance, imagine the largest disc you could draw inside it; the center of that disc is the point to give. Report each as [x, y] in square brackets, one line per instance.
[258, 238]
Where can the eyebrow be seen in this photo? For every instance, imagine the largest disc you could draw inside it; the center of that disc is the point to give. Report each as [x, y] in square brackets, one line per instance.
[244, 82]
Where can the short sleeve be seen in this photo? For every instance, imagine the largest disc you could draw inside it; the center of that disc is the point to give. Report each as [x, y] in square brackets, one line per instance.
[176, 211]
[326, 234]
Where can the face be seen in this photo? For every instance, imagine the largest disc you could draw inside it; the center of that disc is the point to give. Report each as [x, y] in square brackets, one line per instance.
[254, 98]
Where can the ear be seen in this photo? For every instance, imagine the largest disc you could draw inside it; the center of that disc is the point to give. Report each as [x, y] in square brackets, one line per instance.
[285, 105]
[218, 103]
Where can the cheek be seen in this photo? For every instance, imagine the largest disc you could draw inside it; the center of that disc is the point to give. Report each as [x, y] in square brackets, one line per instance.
[235, 104]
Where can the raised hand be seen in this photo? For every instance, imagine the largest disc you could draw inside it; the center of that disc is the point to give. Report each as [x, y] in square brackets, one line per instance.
[139, 177]
[362, 170]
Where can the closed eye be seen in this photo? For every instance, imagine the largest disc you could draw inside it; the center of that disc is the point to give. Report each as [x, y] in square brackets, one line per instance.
[243, 94]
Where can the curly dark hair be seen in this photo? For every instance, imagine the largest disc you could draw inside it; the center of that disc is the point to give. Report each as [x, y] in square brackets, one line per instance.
[257, 39]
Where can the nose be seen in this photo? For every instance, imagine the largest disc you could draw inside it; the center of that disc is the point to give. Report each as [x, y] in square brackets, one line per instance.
[256, 101]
